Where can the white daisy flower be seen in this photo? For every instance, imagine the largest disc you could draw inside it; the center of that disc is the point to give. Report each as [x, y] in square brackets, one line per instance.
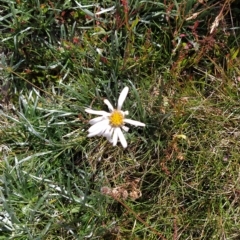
[110, 124]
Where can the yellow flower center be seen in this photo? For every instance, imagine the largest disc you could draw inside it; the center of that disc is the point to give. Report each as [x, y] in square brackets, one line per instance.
[116, 118]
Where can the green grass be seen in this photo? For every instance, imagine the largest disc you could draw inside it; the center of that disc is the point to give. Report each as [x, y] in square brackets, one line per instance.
[179, 176]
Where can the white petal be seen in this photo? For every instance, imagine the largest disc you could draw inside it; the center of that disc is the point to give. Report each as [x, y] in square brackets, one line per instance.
[96, 112]
[135, 123]
[121, 137]
[96, 133]
[125, 128]
[110, 106]
[122, 97]
[107, 131]
[99, 125]
[108, 134]
[95, 120]
[115, 136]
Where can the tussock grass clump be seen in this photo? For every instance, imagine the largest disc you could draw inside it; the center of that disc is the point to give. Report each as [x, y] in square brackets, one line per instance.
[179, 176]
